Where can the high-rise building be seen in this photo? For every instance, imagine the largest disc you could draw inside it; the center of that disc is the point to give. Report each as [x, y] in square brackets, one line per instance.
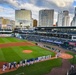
[60, 17]
[65, 13]
[63, 18]
[1, 20]
[34, 23]
[12, 24]
[65, 21]
[66, 18]
[75, 11]
[46, 18]
[73, 23]
[6, 23]
[23, 18]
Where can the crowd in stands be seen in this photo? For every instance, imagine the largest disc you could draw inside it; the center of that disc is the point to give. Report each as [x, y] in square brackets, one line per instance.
[51, 48]
[50, 40]
[5, 30]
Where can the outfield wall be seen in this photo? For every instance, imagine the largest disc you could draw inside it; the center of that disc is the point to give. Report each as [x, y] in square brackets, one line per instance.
[5, 35]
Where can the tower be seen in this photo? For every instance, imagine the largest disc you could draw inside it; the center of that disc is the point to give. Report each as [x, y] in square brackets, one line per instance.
[46, 18]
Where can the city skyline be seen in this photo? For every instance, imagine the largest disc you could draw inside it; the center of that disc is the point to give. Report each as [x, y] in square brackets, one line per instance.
[8, 7]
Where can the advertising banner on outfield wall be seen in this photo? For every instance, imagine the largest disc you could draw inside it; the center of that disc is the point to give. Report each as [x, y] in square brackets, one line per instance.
[72, 43]
[5, 35]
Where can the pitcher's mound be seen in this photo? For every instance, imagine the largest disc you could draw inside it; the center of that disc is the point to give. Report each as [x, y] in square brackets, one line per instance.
[27, 51]
[66, 56]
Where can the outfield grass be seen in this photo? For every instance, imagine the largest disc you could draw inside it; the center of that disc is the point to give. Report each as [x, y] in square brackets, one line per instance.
[9, 40]
[40, 68]
[11, 54]
[73, 60]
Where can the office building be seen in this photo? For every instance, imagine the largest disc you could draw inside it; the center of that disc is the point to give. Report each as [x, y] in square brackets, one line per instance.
[34, 23]
[65, 21]
[73, 23]
[1, 22]
[46, 18]
[23, 18]
[63, 18]
[6, 23]
[60, 17]
[66, 18]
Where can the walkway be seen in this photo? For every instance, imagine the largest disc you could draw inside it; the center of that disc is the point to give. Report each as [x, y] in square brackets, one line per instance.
[62, 70]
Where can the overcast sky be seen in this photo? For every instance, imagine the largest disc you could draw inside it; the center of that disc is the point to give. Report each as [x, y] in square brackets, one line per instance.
[8, 7]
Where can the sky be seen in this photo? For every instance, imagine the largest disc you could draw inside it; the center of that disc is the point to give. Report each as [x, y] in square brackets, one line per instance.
[8, 7]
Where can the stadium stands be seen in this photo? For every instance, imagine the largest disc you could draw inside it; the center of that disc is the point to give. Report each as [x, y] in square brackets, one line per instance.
[5, 33]
[53, 35]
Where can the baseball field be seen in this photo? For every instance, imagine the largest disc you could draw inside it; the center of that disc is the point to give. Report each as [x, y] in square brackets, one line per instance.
[9, 40]
[15, 50]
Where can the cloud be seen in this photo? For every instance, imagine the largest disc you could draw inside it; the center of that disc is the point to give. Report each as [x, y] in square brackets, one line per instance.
[10, 3]
[61, 3]
[33, 8]
[13, 3]
[52, 4]
[36, 5]
[40, 3]
[7, 12]
[1, 9]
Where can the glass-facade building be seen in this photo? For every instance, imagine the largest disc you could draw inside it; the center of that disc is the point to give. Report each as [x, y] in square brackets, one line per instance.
[46, 18]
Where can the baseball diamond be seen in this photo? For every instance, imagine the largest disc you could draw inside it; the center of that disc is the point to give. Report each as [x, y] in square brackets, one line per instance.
[16, 50]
